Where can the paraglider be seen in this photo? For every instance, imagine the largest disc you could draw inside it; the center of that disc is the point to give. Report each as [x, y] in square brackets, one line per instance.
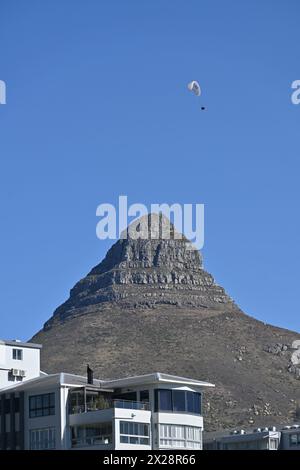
[196, 89]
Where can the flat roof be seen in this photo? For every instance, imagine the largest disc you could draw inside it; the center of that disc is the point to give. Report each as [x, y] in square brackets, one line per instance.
[155, 377]
[72, 381]
[227, 434]
[20, 344]
[60, 378]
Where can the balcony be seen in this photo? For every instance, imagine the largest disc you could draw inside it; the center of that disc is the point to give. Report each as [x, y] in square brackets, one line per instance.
[97, 435]
[108, 404]
[90, 398]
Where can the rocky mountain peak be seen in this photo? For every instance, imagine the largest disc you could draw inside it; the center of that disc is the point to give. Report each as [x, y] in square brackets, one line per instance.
[152, 264]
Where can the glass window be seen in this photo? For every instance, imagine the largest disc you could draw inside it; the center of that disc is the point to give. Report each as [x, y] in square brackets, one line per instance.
[17, 354]
[293, 439]
[144, 396]
[193, 402]
[134, 433]
[178, 400]
[17, 404]
[42, 405]
[7, 405]
[179, 436]
[41, 439]
[92, 434]
[144, 441]
[165, 400]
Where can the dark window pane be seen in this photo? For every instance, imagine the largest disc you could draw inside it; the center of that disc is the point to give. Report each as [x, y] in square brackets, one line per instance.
[144, 396]
[124, 439]
[193, 402]
[41, 405]
[131, 396]
[124, 428]
[190, 402]
[17, 404]
[133, 440]
[165, 400]
[144, 441]
[197, 403]
[52, 399]
[46, 400]
[7, 405]
[178, 400]
[38, 401]
[32, 403]
[145, 430]
[130, 428]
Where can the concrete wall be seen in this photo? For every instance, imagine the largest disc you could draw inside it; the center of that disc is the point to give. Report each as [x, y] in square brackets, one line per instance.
[44, 421]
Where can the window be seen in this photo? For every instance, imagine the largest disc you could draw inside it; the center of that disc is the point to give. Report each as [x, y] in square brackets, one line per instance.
[134, 433]
[144, 396]
[17, 404]
[41, 439]
[293, 439]
[177, 436]
[7, 405]
[17, 354]
[177, 401]
[42, 405]
[93, 434]
[165, 400]
[193, 402]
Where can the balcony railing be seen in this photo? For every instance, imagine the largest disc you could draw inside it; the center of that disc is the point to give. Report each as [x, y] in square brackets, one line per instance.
[126, 404]
[92, 441]
[131, 405]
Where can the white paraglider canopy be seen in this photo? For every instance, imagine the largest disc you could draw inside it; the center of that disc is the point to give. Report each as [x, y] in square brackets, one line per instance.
[195, 87]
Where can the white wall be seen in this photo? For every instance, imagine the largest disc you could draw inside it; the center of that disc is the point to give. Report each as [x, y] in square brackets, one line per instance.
[42, 422]
[134, 416]
[30, 363]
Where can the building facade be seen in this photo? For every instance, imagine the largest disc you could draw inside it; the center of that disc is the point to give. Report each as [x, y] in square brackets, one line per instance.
[285, 438]
[18, 362]
[64, 411]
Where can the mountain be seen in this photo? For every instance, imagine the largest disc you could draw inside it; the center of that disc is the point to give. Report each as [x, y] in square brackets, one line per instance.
[150, 306]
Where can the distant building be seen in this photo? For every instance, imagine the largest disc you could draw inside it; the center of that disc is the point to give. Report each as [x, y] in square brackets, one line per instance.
[18, 362]
[287, 438]
[290, 438]
[64, 411]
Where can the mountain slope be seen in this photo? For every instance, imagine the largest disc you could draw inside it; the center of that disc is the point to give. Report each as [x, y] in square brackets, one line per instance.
[150, 306]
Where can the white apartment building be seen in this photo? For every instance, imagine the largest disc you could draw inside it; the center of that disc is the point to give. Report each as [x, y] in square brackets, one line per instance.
[64, 411]
[18, 361]
[272, 438]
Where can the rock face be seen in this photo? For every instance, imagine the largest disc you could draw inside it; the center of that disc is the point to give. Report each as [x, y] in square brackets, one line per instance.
[150, 306]
[148, 273]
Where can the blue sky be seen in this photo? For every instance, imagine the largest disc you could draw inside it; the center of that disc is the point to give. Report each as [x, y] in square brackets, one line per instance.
[98, 106]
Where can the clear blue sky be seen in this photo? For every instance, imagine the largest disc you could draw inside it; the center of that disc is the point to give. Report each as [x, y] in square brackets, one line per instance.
[97, 106]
